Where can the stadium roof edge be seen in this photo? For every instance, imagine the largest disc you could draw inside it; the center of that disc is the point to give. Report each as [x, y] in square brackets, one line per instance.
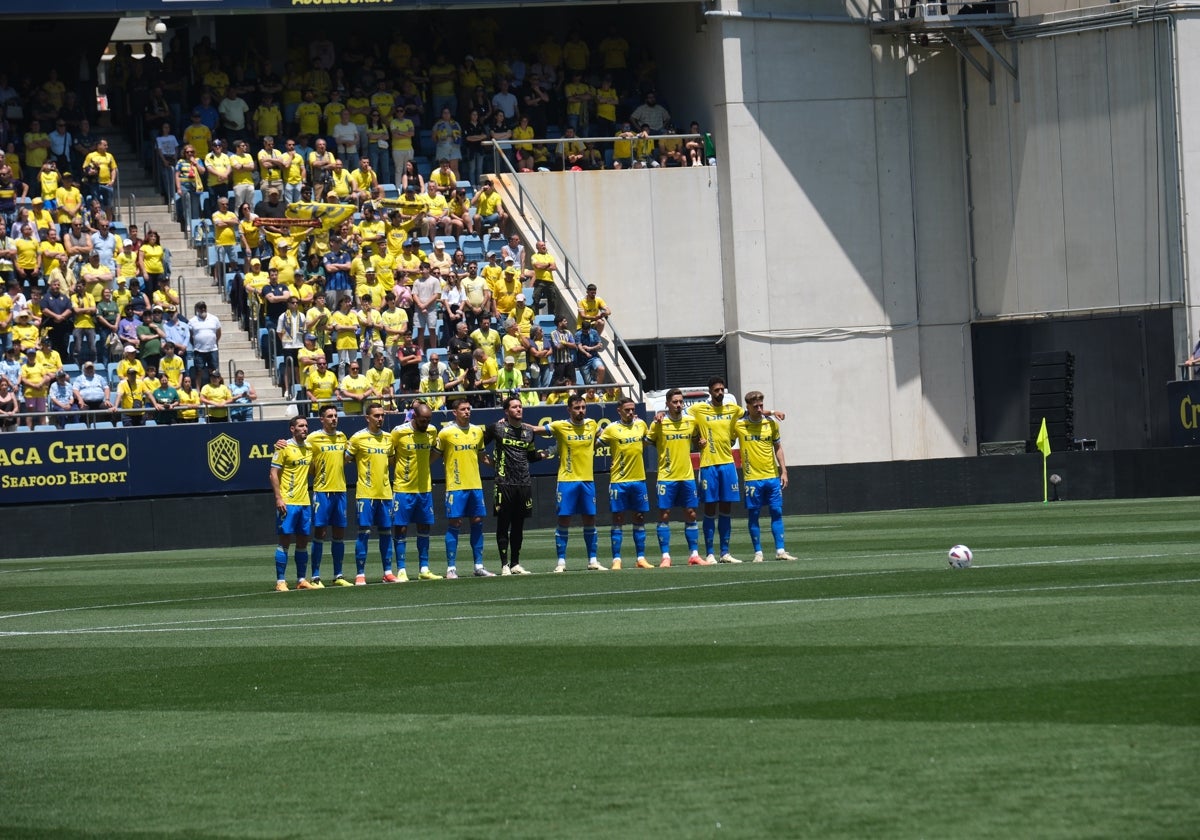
[34, 9]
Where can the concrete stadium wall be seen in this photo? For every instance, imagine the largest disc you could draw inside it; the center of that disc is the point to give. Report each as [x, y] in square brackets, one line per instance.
[1074, 185]
[104, 527]
[1188, 80]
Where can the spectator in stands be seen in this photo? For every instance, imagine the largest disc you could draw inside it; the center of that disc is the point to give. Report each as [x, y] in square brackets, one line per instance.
[243, 395]
[485, 372]
[650, 116]
[132, 398]
[353, 390]
[587, 354]
[542, 268]
[150, 336]
[411, 177]
[57, 316]
[84, 327]
[101, 168]
[60, 400]
[10, 366]
[217, 397]
[189, 401]
[8, 405]
[206, 338]
[540, 369]
[233, 110]
[592, 308]
[166, 401]
[218, 168]
[474, 155]
[427, 294]
[410, 364]
[242, 167]
[447, 137]
[489, 209]
[93, 394]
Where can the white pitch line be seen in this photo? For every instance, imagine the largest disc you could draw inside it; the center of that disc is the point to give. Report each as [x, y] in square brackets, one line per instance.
[832, 575]
[607, 610]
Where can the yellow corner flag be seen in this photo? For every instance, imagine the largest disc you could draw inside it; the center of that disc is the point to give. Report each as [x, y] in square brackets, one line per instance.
[1043, 440]
[1043, 445]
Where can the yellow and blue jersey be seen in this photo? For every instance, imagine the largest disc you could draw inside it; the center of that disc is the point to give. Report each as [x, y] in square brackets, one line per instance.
[757, 441]
[412, 459]
[328, 461]
[460, 450]
[716, 424]
[673, 439]
[576, 448]
[627, 443]
[293, 464]
[372, 454]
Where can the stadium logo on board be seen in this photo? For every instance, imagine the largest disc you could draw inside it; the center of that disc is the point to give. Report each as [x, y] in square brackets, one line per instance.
[224, 457]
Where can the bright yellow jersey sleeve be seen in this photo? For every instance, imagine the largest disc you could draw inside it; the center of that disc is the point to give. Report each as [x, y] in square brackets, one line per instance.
[673, 439]
[758, 441]
[716, 424]
[347, 339]
[627, 444]
[373, 462]
[328, 461]
[576, 449]
[412, 459]
[460, 450]
[293, 464]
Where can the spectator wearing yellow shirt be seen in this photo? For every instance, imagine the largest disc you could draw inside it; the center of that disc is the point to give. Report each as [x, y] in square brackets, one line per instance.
[103, 167]
[592, 308]
[320, 385]
[217, 397]
[353, 390]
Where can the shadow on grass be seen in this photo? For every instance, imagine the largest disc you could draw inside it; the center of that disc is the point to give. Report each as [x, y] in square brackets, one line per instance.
[1082, 685]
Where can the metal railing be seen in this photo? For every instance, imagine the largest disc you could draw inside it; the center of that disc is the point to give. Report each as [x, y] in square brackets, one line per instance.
[567, 269]
[394, 403]
[131, 219]
[958, 11]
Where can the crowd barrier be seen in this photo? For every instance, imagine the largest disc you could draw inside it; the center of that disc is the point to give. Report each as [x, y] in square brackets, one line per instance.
[195, 460]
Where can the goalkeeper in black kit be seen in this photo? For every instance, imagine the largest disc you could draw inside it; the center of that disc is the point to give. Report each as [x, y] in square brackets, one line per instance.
[514, 449]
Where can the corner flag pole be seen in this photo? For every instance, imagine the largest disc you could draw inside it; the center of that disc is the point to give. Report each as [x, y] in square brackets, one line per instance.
[1043, 445]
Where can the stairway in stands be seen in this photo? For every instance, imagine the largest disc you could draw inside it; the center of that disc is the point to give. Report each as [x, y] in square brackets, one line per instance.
[143, 205]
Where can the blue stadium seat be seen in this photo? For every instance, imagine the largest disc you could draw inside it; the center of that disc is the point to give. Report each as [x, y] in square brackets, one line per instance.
[450, 242]
[472, 247]
[76, 427]
[390, 191]
[493, 244]
[71, 369]
[546, 322]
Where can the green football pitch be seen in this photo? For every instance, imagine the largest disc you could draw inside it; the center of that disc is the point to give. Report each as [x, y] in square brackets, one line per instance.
[868, 690]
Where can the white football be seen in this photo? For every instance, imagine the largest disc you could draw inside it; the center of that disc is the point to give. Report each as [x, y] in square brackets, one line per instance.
[960, 557]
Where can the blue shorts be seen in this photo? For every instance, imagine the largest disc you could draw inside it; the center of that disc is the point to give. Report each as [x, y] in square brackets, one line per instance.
[412, 509]
[673, 494]
[329, 509]
[628, 495]
[296, 522]
[460, 503]
[719, 483]
[377, 512]
[576, 497]
[764, 492]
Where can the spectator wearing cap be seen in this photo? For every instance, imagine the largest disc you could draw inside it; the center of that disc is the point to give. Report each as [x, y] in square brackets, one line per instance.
[506, 290]
[272, 207]
[166, 400]
[441, 259]
[150, 337]
[206, 338]
[198, 135]
[219, 169]
[10, 366]
[307, 356]
[129, 359]
[217, 397]
[93, 394]
[509, 378]
[133, 396]
[592, 308]
[163, 295]
[523, 315]
[60, 400]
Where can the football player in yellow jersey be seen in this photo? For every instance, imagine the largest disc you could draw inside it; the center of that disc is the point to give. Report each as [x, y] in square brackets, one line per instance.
[414, 443]
[719, 486]
[328, 448]
[672, 434]
[293, 511]
[373, 456]
[576, 440]
[626, 440]
[765, 470]
[460, 444]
